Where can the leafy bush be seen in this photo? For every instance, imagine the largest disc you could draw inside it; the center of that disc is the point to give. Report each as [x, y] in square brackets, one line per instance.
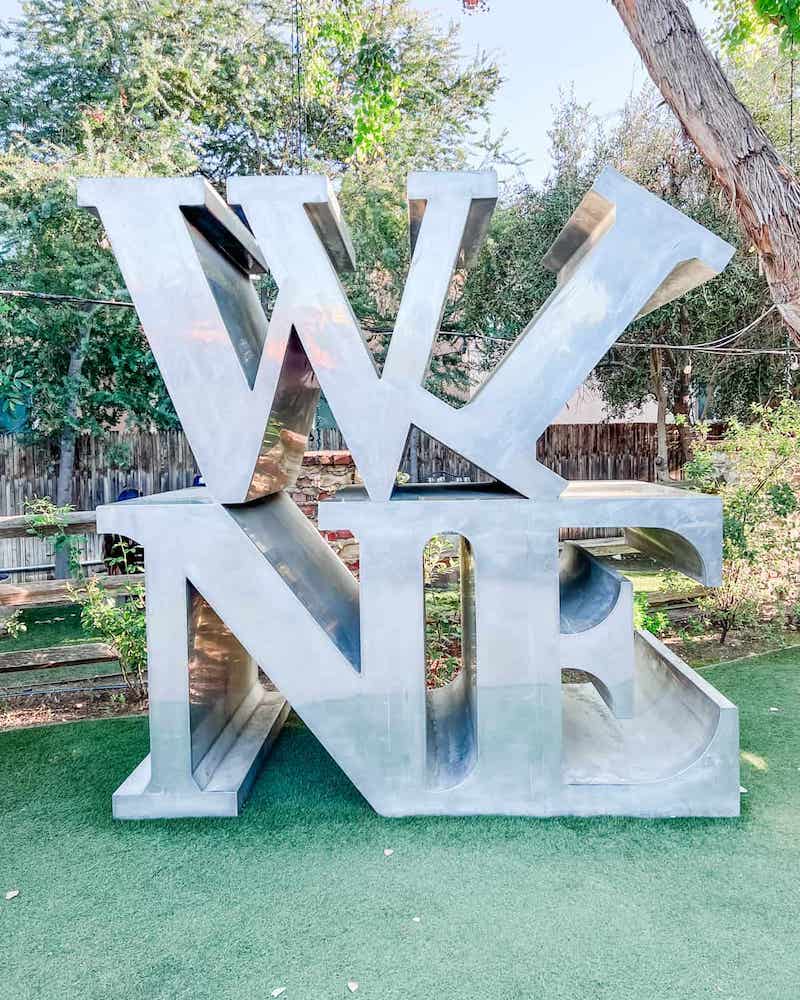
[121, 625]
[14, 626]
[441, 565]
[655, 622]
[442, 636]
[755, 470]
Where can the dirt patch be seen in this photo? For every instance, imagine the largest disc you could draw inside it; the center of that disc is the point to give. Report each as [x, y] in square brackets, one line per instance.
[705, 650]
[23, 711]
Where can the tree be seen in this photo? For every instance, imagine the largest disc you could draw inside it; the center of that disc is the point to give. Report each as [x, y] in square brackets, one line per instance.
[380, 83]
[508, 284]
[84, 368]
[743, 21]
[209, 86]
[762, 189]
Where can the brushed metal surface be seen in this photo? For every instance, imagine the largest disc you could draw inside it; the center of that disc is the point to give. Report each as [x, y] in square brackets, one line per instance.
[236, 576]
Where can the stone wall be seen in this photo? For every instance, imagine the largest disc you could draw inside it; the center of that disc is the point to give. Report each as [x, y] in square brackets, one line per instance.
[323, 473]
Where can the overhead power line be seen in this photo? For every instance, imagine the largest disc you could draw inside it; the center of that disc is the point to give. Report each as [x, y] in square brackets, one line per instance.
[75, 300]
[720, 346]
[731, 337]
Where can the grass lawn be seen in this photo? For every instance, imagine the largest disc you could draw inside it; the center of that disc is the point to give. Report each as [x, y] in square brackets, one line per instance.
[57, 626]
[298, 893]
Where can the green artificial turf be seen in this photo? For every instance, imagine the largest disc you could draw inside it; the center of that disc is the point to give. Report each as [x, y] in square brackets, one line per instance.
[298, 893]
[56, 626]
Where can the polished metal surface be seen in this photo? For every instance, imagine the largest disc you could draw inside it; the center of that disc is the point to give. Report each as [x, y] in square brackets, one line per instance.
[236, 576]
[245, 394]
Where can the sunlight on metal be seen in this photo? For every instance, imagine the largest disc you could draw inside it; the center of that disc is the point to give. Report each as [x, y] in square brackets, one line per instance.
[238, 577]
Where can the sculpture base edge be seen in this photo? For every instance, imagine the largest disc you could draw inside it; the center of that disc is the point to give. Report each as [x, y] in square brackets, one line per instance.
[228, 785]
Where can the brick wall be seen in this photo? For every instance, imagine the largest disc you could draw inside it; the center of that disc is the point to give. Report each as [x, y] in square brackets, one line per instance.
[323, 473]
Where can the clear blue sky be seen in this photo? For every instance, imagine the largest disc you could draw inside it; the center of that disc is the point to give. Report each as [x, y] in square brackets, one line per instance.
[542, 46]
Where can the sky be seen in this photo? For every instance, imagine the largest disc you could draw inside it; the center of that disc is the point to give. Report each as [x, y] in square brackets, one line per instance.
[540, 47]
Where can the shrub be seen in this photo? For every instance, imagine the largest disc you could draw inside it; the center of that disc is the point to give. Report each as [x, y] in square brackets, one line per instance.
[121, 625]
[13, 626]
[655, 622]
[754, 470]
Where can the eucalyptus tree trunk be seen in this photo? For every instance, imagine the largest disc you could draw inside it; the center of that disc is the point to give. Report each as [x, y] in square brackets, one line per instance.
[762, 189]
[66, 444]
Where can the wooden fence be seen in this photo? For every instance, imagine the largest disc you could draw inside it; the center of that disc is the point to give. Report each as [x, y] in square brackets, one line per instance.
[157, 462]
[574, 451]
[104, 467]
[606, 451]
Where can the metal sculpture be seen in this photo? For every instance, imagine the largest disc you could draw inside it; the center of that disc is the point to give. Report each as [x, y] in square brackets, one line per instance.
[236, 575]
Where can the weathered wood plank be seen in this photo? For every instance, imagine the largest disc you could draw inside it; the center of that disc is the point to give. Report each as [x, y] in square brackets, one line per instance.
[45, 593]
[663, 598]
[56, 656]
[78, 522]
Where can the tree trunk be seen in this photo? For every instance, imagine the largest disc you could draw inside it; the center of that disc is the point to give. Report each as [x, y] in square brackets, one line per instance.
[66, 446]
[662, 452]
[682, 409]
[682, 395]
[763, 190]
[413, 456]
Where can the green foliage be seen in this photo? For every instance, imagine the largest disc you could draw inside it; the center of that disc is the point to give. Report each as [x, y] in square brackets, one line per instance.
[743, 21]
[443, 613]
[346, 28]
[211, 83]
[49, 245]
[14, 389]
[442, 636]
[45, 520]
[508, 284]
[124, 558]
[181, 86]
[755, 470]
[437, 558]
[655, 622]
[122, 625]
[14, 626]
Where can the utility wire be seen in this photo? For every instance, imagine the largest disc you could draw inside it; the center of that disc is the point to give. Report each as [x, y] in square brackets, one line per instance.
[709, 347]
[75, 300]
[731, 337]
[706, 350]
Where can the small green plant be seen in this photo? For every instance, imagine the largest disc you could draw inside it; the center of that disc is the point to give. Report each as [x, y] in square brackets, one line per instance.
[442, 635]
[443, 623]
[655, 622]
[46, 520]
[694, 628]
[125, 558]
[122, 625]
[14, 625]
[438, 558]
